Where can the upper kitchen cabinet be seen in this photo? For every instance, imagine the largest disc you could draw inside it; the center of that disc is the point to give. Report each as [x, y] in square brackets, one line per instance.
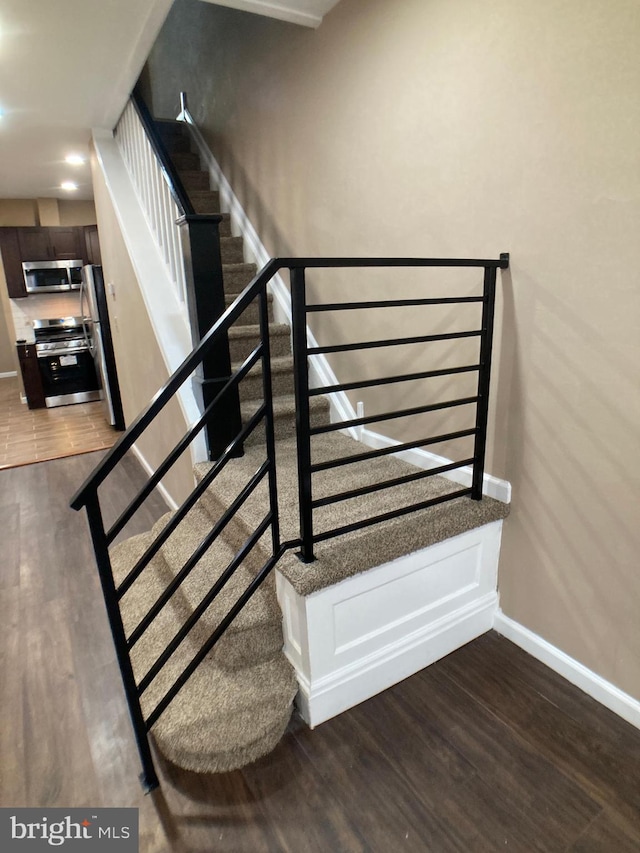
[12, 262]
[34, 243]
[51, 244]
[92, 244]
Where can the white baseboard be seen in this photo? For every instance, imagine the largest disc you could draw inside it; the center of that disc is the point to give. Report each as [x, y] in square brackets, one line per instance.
[150, 471]
[9, 374]
[598, 688]
[492, 487]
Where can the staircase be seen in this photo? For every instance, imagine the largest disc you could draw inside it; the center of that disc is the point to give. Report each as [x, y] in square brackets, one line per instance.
[193, 608]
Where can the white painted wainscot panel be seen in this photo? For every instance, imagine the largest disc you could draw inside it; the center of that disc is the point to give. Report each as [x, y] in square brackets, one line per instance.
[354, 639]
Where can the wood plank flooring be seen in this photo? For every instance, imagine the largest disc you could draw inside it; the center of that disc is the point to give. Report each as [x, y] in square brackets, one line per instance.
[486, 750]
[34, 435]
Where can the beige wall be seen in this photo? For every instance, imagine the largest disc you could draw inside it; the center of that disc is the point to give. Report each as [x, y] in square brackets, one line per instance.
[141, 369]
[458, 128]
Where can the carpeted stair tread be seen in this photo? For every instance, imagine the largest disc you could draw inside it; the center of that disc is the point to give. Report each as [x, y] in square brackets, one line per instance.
[251, 315]
[194, 179]
[284, 416]
[251, 387]
[205, 201]
[243, 339]
[232, 250]
[361, 550]
[255, 635]
[224, 721]
[237, 276]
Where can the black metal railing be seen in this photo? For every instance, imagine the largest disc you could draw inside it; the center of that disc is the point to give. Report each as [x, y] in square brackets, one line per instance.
[102, 537]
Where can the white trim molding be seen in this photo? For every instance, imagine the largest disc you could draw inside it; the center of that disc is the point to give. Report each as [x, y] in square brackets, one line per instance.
[598, 688]
[9, 374]
[354, 639]
[306, 13]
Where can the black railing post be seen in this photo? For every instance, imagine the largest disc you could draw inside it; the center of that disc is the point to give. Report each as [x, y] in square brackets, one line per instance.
[269, 427]
[484, 380]
[199, 235]
[301, 387]
[149, 776]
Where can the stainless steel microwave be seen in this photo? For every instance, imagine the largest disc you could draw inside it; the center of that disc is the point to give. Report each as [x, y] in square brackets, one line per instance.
[52, 276]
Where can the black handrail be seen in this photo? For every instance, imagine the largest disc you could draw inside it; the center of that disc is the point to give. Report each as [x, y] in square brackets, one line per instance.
[87, 495]
[169, 171]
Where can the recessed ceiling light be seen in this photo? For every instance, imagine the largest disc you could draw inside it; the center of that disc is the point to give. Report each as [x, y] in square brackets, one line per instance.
[69, 186]
[75, 160]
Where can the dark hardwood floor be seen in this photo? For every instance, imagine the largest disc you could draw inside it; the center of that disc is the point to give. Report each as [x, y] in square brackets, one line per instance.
[486, 750]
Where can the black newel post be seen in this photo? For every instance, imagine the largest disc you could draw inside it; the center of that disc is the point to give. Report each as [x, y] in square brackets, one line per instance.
[199, 234]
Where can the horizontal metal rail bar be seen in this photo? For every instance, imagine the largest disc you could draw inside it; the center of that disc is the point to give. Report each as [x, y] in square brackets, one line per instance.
[180, 447]
[394, 448]
[195, 662]
[388, 484]
[197, 555]
[388, 416]
[347, 263]
[394, 342]
[388, 516]
[204, 604]
[247, 296]
[390, 303]
[188, 504]
[389, 380]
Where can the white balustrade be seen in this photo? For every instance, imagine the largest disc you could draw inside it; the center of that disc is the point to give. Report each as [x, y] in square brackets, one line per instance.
[153, 193]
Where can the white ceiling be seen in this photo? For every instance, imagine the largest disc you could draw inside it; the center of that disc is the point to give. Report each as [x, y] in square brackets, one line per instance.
[67, 66]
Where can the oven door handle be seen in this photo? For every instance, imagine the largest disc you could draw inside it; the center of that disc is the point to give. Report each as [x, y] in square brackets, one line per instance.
[56, 352]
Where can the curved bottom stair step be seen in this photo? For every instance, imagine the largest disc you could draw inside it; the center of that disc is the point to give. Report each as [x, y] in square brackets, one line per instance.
[222, 721]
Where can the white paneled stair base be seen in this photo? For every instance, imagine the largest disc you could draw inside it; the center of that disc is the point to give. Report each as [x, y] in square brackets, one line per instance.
[354, 639]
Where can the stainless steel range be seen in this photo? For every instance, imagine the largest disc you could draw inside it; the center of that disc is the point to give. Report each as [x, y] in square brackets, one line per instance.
[66, 364]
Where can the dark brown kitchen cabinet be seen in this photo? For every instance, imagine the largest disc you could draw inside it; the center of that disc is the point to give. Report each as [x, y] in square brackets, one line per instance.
[36, 243]
[92, 244]
[31, 377]
[12, 262]
[51, 244]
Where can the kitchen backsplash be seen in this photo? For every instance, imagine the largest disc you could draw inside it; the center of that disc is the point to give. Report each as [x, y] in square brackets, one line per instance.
[42, 306]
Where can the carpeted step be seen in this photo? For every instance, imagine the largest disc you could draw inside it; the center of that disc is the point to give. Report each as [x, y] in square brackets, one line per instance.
[186, 161]
[225, 226]
[255, 635]
[244, 339]
[194, 179]
[368, 547]
[205, 201]
[284, 416]
[251, 387]
[250, 317]
[237, 276]
[222, 721]
[175, 136]
[232, 249]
